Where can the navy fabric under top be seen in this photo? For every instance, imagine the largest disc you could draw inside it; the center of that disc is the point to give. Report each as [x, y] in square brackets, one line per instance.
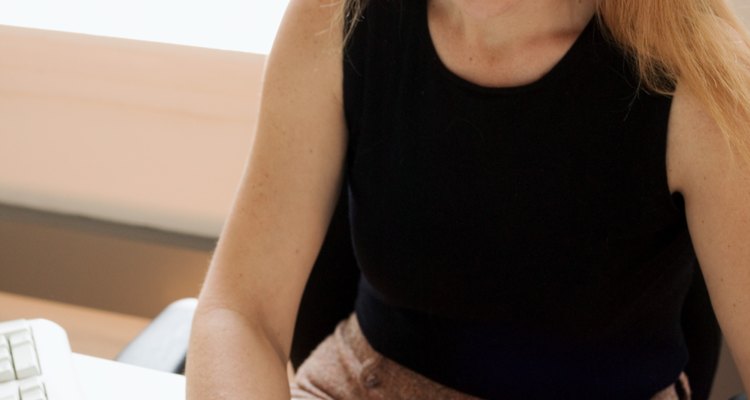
[514, 242]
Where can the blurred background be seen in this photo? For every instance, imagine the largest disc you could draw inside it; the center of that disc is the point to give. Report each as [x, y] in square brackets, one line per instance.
[125, 127]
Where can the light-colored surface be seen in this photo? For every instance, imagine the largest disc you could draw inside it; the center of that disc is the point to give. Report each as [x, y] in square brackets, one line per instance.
[41, 358]
[103, 334]
[107, 380]
[142, 133]
[90, 331]
[239, 25]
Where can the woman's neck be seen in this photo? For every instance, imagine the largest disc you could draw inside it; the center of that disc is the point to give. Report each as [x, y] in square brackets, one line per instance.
[505, 42]
[497, 25]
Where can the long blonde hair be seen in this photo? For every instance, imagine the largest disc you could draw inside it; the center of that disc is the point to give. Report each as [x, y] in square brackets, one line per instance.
[700, 43]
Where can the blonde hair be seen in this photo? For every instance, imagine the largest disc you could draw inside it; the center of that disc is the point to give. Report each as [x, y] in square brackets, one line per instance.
[700, 43]
[350, 13]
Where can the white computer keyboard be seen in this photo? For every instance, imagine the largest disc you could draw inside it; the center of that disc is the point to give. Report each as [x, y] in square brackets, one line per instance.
[36, 362]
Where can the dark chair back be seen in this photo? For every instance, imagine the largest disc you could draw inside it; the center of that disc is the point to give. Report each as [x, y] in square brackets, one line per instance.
[702, 336]
[331, 288]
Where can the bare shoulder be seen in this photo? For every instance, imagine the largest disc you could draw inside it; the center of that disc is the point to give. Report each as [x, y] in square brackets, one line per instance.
[716, 186]
[696, 148]
[713, 178]
[308, 44]
[311, 22]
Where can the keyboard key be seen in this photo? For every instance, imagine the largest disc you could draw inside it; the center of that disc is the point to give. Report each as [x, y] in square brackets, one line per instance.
[32, 389]
[35, 362]
[30, 384]
[19, 338]
[5, 353]
[24, 356]
[35, 395]
[7, 373]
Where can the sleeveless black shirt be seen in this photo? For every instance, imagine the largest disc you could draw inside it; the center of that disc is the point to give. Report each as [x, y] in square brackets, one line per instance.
[514, 242]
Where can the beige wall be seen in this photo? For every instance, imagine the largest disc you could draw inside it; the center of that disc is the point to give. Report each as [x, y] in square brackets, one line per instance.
[138, 133]
[126, 131]
[117, 137]
[168, 129]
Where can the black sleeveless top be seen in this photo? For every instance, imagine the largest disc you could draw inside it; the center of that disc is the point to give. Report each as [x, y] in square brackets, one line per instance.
[514, 242]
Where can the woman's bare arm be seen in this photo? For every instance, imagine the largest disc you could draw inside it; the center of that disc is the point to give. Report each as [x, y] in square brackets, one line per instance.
[716, 187]
[243, 326]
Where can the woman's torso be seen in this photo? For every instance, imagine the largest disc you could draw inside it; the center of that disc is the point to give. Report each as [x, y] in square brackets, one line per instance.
[513, 235]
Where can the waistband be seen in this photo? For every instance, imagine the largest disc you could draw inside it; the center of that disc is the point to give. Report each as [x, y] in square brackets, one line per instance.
[503, 361]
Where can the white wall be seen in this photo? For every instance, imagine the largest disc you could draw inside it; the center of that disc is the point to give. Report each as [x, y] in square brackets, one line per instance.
[238, 25]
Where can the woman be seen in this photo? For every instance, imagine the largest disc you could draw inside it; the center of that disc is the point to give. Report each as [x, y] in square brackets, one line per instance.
[522, 176]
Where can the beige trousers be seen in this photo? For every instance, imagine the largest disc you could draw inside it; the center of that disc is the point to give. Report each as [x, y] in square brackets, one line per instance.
[345, 367]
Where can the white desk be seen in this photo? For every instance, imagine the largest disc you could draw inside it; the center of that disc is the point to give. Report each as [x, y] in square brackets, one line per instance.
[108, 380]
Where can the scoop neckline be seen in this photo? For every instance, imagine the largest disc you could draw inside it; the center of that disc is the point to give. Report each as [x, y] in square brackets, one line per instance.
[564, 65]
